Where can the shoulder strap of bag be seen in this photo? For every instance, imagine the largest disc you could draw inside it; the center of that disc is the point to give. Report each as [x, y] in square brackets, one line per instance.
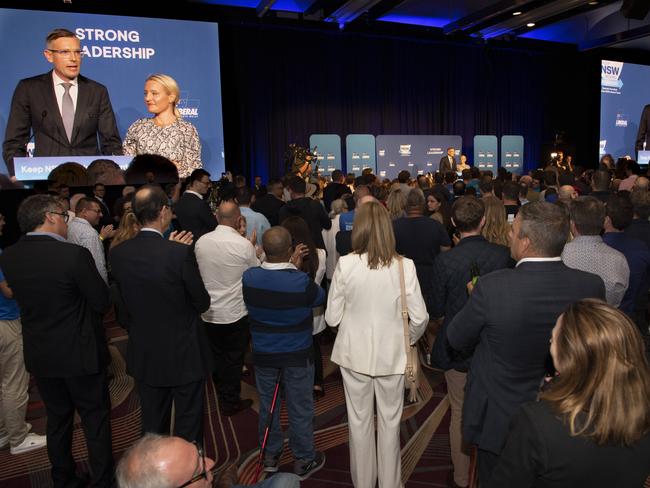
[405, 313]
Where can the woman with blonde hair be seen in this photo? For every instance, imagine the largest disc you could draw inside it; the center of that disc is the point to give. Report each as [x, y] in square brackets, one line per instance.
[496, 226]
[592, 425]
[396, 203]
[365, 303]
[166, 133]
[128, 229]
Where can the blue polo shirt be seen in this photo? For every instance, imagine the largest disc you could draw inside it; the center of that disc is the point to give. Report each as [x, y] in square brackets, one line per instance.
[345, 220]
[8, 307]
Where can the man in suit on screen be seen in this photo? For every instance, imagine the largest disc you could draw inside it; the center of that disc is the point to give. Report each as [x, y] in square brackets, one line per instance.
[643, 136]
[65, 111]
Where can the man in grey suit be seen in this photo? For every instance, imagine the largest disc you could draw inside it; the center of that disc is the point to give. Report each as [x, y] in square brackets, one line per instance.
[66, 112]
[510, 340]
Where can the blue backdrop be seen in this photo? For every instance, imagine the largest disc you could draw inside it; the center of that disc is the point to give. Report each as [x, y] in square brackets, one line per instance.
[512, 153]
[328, 152]
[624, 91]
[417, 154]
[361, 154]
[120, 52]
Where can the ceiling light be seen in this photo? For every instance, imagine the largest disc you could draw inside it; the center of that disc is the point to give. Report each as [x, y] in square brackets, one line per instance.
[592, 3]
[530, 24]
[516, 13]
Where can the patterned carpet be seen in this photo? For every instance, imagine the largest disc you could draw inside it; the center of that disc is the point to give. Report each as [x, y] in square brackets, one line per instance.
[425, 444]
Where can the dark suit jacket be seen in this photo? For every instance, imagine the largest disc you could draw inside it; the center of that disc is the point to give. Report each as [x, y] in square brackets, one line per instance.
[61, 298]
[452, 272]
[193, 214]
[508, 320]
[164, 295]
[34, 107]
[312, 213]
[445, 165]
[334, 191]
[269, 205]
[643, 135]
[343, 242]
[541, 453]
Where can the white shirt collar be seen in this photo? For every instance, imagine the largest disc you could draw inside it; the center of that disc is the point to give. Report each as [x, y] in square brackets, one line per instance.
[539, 260]
[276, 266]
[149, 229]
[58, 80]
[194, 193]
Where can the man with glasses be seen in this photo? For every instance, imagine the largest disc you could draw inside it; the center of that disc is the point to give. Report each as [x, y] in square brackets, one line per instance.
[163, 294]
[62, 298]
[65, 111]
[81, 231]
[162, 461]
[192, 210]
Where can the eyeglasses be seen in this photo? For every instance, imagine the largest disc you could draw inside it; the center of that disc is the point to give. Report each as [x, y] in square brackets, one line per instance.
[65, 215]
[66, 53]
[203, 473]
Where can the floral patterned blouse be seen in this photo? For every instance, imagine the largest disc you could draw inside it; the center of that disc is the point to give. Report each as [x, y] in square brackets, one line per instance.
[178, 142]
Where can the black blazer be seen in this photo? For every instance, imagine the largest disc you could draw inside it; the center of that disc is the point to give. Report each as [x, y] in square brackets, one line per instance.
[334, 191]
[193, 214]
[269, 205]
[445, 166]
[163, 293]
[34, 107]
[541, 453]
[452, 272]
[508, 320]
[643, 135]
[61, 298]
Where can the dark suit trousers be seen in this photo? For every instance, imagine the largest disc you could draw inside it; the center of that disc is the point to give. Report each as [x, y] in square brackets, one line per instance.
[228, 343]
[487, 461]
[189, 401]
[89, 396]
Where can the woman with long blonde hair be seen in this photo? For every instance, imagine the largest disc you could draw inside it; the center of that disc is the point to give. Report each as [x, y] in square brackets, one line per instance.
[496, 226]
[592, 425]
[396, 203]
[166, 133]
[364, 302]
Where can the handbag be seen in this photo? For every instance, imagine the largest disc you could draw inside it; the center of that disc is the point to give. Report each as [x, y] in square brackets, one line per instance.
[412, 372]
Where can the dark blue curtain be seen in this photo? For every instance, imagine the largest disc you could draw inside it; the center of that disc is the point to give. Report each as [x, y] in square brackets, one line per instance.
[280, 85]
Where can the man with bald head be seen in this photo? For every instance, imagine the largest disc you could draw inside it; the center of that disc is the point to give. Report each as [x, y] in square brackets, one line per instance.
[567, 193]
[280, 299]
[163, 296]
[167, 462]
[223, 256]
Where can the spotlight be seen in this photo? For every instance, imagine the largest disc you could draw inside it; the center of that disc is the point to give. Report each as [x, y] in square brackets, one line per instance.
[516, 13]
[530, 24]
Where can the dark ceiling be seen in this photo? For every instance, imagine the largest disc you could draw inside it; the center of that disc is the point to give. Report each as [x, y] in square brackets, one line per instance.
[589, 24]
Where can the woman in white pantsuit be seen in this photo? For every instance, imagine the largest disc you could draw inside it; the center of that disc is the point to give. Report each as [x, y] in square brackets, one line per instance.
[364, 302]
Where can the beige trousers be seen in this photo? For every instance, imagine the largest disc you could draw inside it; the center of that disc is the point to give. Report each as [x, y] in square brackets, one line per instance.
[382, 460]
[14, 382]
[456, 391]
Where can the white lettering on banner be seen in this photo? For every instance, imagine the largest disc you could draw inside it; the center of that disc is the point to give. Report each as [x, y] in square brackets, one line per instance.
[107, 35]
[114, 52]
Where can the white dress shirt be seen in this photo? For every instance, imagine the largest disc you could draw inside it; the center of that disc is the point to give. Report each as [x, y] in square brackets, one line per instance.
[366, 306]
[223, 255]
[82, 233]
[59, 91]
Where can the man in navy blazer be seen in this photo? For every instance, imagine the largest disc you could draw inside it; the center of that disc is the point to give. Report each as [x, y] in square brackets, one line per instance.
[62, 298]
[66, 112]
[163, 295]
[507, 322]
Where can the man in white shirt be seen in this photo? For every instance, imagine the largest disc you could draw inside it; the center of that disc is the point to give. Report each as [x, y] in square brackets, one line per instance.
[256, 223]
[223, 255]
[80, 231]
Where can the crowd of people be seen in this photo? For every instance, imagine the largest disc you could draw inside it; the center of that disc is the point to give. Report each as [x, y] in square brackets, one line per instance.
[534, 305]
[529, 291]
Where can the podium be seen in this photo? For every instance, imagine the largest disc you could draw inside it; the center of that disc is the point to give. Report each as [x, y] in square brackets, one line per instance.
[38, 168]
[644, 158]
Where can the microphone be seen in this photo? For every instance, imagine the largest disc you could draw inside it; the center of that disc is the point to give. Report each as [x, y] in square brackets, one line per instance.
[31, 138]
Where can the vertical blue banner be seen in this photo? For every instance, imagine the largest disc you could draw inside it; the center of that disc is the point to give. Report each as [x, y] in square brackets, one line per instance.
[512, 153]
[120, 53]
[360, 153]
[416, 154]
[486, 153]
[328, 152]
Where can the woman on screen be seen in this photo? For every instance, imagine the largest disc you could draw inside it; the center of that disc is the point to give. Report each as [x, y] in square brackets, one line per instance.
[166, 133]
